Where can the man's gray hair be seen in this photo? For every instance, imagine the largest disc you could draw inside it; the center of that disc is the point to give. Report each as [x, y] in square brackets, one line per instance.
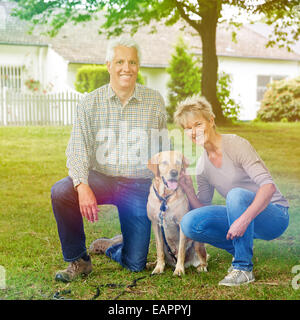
[122, 41]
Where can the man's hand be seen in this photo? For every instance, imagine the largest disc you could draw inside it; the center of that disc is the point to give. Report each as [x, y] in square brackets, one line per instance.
[87, 202]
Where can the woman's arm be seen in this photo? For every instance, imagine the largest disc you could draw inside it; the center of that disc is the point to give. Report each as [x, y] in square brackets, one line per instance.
[260, 202]
[186, 183]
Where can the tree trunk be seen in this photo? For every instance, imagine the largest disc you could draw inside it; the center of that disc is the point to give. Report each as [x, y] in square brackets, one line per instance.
[210, 59]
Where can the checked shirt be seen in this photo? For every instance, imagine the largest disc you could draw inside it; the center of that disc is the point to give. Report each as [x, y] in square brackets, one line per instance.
[114, 139]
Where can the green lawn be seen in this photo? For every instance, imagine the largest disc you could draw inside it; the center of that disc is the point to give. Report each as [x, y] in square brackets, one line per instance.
[33, 159]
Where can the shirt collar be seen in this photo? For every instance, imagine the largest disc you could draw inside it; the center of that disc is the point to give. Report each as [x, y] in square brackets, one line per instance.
[136, 93]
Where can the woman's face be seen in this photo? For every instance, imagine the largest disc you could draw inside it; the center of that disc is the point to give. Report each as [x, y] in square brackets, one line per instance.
[198, 128]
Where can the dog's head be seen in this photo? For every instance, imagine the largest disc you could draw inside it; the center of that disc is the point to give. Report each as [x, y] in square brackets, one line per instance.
[167, 165]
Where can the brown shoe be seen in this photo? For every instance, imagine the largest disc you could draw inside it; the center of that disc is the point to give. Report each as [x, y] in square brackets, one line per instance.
[99, 246]
[74, 269]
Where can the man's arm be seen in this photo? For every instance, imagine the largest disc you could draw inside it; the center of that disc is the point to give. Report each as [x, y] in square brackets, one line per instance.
[78, 161]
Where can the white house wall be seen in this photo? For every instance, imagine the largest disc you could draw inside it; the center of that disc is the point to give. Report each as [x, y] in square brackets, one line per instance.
[157, 78]
[244, 74]
[57, 72]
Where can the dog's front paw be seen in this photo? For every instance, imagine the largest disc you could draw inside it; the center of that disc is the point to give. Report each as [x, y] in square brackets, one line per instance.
[179, 271]
[159, 268]
[202, 268]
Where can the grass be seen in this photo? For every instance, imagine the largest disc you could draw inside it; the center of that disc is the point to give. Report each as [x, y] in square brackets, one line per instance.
[33, 159]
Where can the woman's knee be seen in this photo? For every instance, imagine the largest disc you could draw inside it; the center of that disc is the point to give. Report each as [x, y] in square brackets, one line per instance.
[239, 197]
[187, 224]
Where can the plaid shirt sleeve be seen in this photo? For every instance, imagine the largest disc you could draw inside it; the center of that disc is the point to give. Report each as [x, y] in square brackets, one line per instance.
[80, 145]
[163, 113]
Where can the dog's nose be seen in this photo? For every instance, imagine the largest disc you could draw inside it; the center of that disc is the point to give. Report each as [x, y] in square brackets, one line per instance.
[174, 173]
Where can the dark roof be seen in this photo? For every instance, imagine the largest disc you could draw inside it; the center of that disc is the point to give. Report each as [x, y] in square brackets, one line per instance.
[82, 43]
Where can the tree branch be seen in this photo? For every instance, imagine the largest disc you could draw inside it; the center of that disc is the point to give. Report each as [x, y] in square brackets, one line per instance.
[180, 7]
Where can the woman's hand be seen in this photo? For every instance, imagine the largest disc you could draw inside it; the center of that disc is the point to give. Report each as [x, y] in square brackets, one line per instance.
[238, 228]
[186, 182]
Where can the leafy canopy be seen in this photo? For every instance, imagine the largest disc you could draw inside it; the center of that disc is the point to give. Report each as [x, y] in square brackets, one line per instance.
[284, 15]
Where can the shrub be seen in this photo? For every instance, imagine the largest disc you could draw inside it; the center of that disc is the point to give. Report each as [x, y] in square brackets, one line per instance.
[185, 76]
[91, 77]
[281, 102]
[231, 109]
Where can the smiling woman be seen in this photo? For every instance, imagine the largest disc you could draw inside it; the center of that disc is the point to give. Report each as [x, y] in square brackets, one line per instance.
[196, 119]
[255, 208]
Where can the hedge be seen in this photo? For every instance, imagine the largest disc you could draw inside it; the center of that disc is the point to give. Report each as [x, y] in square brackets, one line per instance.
[281, 102]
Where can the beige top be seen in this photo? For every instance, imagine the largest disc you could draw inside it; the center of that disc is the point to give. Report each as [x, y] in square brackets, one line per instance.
[241, 168]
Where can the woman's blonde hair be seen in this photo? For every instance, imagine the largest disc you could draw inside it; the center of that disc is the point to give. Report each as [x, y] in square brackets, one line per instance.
[195, 104]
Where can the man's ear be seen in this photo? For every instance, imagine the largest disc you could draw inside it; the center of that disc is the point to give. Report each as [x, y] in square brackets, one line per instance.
[108, 64]
[153, 164]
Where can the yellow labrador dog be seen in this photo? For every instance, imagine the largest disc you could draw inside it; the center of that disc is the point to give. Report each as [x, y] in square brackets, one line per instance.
[166, 206]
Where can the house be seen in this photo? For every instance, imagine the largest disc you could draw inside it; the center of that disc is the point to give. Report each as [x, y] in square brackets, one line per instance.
[53, 62]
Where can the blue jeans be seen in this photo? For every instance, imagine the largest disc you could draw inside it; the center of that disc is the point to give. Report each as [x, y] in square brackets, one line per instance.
[210, 224]
[129, 195]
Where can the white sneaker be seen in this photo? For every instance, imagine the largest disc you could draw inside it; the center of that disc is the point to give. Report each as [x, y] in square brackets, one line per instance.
[237, 277]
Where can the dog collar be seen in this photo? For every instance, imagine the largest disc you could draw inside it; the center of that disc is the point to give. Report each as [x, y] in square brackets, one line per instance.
[163, 206]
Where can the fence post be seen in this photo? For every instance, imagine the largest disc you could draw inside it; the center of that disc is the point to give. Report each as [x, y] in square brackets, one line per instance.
[5, 106]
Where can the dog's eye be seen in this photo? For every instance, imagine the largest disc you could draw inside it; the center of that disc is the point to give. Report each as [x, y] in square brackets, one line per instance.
[178, 163]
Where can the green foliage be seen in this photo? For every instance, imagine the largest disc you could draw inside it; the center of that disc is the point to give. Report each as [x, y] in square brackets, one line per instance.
[185, 76]
[118, 14]
[281, 101]
[230, 108]
[185, 80]
[91, 77]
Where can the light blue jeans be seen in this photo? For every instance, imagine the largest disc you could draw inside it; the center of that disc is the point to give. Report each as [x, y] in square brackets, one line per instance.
[210, 224]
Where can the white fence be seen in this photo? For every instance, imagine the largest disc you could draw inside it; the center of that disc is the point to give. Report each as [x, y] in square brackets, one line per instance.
[22, 109]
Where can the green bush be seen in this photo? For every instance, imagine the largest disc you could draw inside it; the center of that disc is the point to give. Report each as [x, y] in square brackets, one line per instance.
[231, 109]
[91, 77]
[281, 102]
[185, 76]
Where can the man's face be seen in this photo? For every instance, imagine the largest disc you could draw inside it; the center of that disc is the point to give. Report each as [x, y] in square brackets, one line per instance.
[124, 68]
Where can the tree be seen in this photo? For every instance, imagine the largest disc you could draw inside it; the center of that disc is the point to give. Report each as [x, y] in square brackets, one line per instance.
[185, 76]
[202, 15]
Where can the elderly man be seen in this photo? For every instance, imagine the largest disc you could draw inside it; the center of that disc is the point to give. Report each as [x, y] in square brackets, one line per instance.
[105, 166]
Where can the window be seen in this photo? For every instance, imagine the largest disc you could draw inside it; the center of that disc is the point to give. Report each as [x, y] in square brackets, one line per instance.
[11, 77]
[262, 82]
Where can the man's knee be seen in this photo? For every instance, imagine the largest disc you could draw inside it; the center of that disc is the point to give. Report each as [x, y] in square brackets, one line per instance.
[62, 189]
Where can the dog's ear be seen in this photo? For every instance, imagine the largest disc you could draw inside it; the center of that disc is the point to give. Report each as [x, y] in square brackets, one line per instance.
[185, 162]
[153, 164]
